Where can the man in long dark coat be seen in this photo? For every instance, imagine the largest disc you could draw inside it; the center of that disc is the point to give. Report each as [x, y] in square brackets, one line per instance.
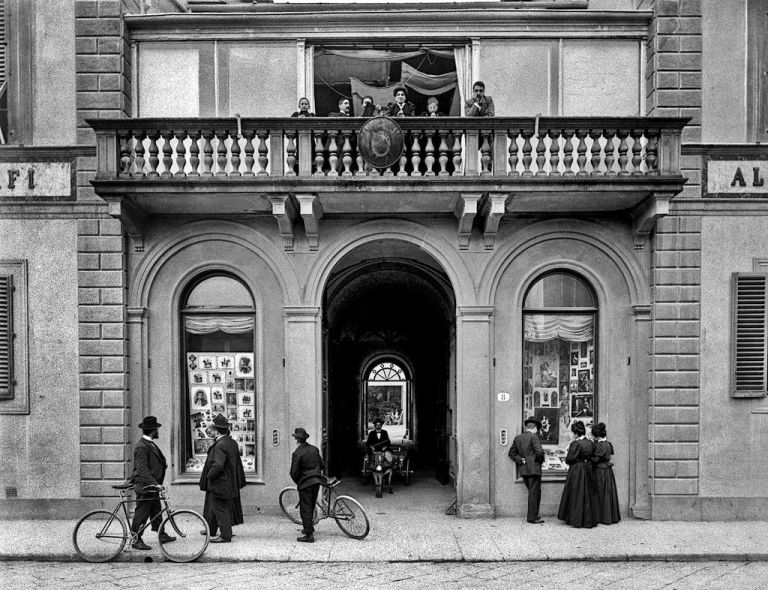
[307, 472]
[221, 479]
[149, 467]
[527, 453]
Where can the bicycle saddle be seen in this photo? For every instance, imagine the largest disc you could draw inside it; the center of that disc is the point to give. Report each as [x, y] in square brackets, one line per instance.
[332, 482]
[123, 486]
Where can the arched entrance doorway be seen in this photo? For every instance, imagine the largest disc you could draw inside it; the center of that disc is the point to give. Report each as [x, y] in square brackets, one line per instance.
[389, 304]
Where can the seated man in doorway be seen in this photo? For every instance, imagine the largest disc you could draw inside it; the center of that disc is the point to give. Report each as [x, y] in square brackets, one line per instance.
[378, 440]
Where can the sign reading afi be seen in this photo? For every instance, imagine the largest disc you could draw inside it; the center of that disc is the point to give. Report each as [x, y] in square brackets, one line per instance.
[36, 180]
[742, 178]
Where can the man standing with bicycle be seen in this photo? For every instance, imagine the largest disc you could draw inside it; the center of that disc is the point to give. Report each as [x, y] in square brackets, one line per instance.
[148, 469]
[307, 472]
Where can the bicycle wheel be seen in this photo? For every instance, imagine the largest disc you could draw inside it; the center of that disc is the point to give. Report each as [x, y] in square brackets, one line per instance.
[351, 517]
[289, 504]
[99, 536]
[185, 525]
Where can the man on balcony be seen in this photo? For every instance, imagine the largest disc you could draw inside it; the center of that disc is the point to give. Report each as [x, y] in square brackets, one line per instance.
[343, 109]
[479, 105]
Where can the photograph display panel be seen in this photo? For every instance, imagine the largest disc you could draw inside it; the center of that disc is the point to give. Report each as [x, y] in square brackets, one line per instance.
[221, 383]
[387, 401]
[558, 380]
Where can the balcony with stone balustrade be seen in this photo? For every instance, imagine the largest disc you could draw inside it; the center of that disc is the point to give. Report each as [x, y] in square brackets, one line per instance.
[485, 168]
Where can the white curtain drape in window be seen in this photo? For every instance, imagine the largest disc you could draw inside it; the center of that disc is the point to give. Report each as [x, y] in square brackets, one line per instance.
[573, 328]
[210, 324]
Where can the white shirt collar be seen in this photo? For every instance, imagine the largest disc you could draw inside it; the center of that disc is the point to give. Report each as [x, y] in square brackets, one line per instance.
[149, 438]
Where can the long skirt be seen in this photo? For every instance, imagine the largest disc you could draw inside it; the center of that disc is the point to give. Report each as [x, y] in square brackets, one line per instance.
[235, 510]
[607, 496]
[578, 503]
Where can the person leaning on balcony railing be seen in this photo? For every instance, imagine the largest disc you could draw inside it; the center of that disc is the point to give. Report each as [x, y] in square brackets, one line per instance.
[401, 107]
[369, 108]
[479, 105]
[433, 108]
[303, 109]
[343, 109]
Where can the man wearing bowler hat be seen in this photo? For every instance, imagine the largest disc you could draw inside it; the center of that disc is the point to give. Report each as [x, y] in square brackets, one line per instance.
[221, 479]
[527, 453]
[148, 469]
[307, 472]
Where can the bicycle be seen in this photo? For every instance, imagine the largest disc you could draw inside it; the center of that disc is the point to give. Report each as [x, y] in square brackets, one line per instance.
[101, 535]
[348, 513]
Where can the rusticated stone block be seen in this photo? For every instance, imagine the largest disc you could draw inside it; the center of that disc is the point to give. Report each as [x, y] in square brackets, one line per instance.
[102, 347]
[676, 486]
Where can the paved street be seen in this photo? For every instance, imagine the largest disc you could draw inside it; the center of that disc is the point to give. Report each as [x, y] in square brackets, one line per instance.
[547, 576]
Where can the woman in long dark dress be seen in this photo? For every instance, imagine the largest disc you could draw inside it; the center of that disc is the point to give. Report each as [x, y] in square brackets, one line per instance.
[605, 482]
[578, 503]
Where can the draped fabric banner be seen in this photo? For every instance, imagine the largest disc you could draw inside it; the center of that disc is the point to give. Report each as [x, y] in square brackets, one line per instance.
[210, 324]
[380, 55]
[381, 94]
[573, 328]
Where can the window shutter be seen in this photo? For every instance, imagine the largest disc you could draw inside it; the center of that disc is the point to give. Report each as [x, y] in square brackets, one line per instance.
[3, 43]
[6, 336]
[749, 335]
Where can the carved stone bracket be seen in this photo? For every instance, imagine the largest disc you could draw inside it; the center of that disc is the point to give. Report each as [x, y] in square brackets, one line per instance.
[644, 216]
[311, 212]
[132, 218]
[284, 210]
[492, 210]
[465, 211]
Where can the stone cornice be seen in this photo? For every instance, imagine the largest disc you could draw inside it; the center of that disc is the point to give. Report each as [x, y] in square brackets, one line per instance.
[728, 150]
[371, 23]
[45, 153]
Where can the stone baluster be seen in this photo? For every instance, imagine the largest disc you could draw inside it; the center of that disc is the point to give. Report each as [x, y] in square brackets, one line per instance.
[208, 153]
[429, 158]
[403, 157]
[319, 153]
[443, 153]
[513, 153]
[346, 153]
[485, 153]
[541, 153]
[581, 153]
[153, 160]
[568, 152]
[221, 153]
[333, 154]
[290, 150]
[235, 149]
[651, 149]
[138, 151]
[527, 148]
[181, 153]
[125, 153]
[623, 134]
[415, 153]
[249, 150]
[361, 165]
[194, 152]
[456, 148]
[262, 149]
[609, 149]
[554, 151]
[595, 160]
[637, 148]
[167, 154]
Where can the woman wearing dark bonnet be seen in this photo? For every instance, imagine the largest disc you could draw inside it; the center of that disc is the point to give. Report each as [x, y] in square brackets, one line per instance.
[605, 482]
[578, 502]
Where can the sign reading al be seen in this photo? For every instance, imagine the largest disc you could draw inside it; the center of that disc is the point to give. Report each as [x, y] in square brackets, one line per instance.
[736, 178]
[36, 180]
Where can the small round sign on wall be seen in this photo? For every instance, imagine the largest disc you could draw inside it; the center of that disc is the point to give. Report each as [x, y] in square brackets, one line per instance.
[503, 396]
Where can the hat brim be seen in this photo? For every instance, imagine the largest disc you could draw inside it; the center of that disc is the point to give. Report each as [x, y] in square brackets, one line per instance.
[145, 426]
[532, 421]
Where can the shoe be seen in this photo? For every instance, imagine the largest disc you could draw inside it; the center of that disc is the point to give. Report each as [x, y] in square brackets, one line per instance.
[165, 538]
[537, 521]
[220, 540]
[139, 544]
[308, 538]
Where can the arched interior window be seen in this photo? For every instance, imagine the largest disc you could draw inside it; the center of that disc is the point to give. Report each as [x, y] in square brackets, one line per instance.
[559, 360]
[387, 396]
[218, 322]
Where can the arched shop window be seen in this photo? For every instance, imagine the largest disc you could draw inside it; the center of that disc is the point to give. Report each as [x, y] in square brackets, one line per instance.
[559, 361]
[218, 320]
[388, 396]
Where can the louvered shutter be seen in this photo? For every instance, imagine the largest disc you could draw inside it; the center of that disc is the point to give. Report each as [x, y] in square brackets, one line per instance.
[749, 335]
[3, 44]
[6, 337]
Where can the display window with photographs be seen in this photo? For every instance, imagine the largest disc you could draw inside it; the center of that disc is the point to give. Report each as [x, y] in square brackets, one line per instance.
[218, 318]
[559, 361]
[387, 397]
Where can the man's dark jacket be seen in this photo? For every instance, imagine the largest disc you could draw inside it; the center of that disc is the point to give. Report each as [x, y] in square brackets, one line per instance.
[223, 474]
[307, 466]
[149, 465]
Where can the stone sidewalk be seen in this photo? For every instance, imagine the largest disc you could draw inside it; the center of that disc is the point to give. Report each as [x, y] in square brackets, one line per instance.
[405, 535]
